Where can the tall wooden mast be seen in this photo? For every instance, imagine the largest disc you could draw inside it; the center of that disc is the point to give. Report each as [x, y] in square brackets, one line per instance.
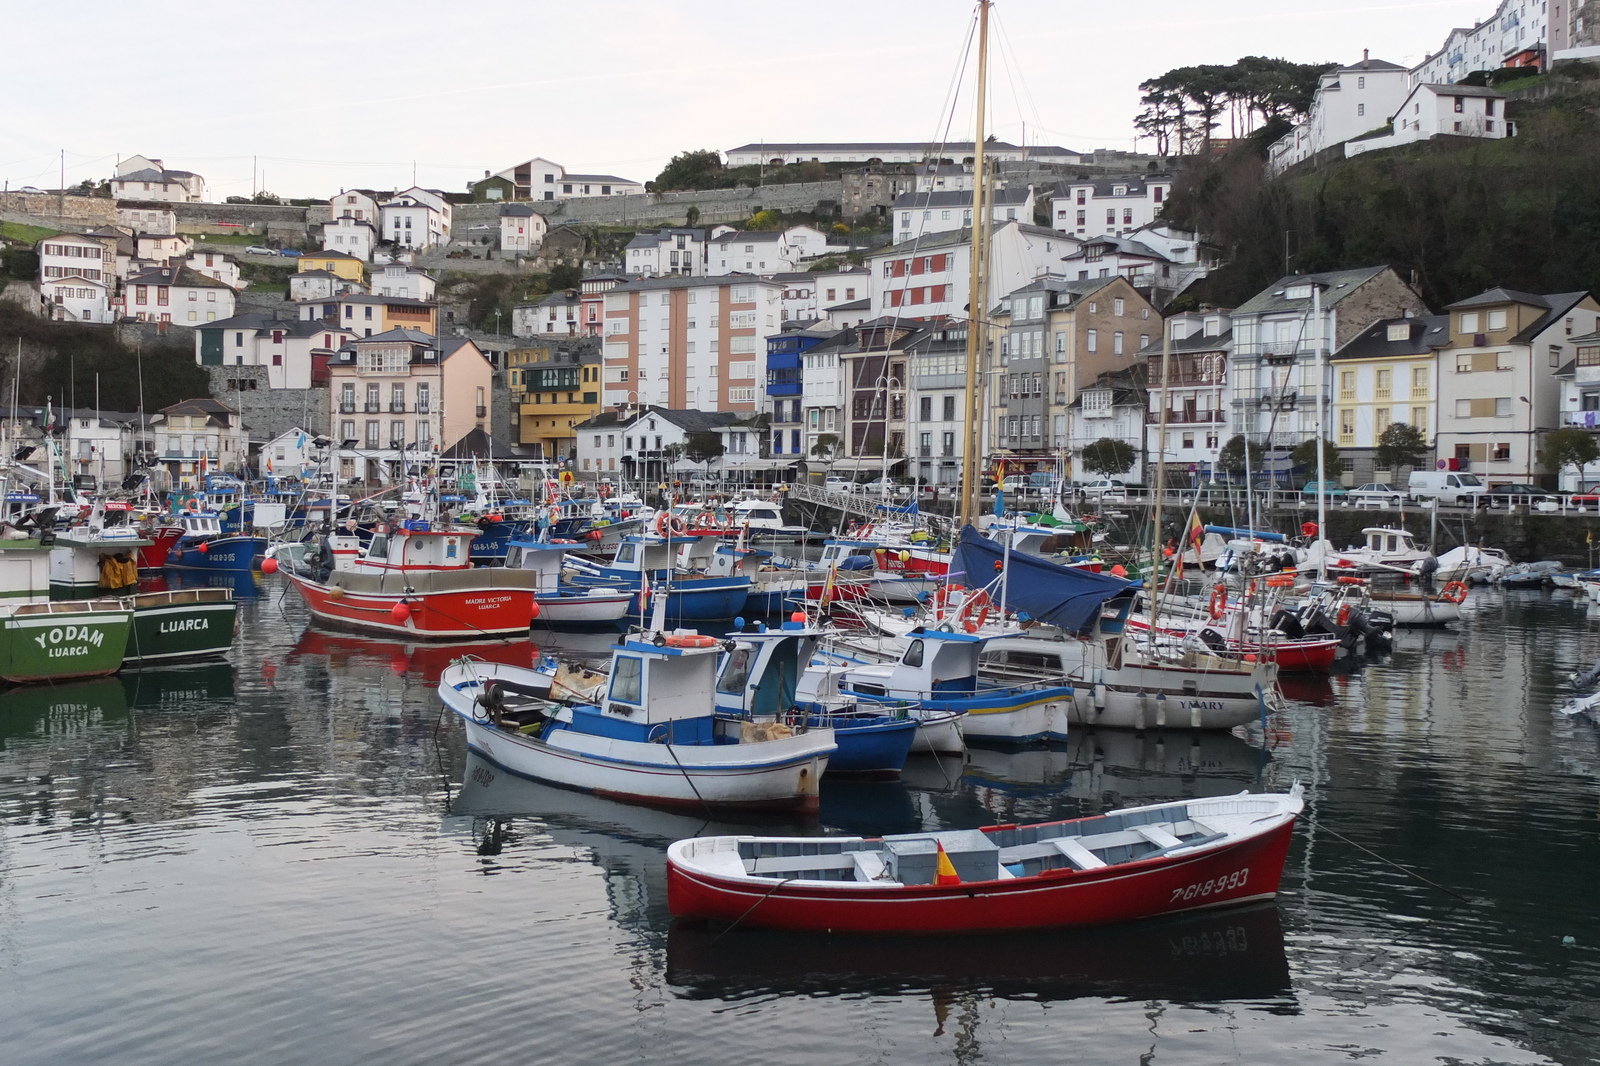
[978, 304]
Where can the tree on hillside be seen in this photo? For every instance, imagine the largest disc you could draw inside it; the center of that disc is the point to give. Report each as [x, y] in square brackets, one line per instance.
[1305, 454]
[690, 170]
[1182, 107]
[1400, 445]
[825, 446]
[764, 220]
[1231, 457]
[1566, 447]
[1108, 456]
[565, 276]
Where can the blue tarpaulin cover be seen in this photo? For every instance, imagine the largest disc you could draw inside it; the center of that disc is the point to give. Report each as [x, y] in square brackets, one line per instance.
[1060, 595]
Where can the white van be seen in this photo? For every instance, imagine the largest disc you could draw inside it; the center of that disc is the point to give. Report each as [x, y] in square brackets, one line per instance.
[1446, 486]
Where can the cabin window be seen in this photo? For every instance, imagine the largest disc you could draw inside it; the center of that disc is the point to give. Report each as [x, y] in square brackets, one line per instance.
[913, 656]
[625, 553]
[625, 679]
[379, 548]
[736, 675]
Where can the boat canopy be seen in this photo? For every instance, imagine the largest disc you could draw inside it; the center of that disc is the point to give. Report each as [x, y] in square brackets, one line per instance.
[1065, 596]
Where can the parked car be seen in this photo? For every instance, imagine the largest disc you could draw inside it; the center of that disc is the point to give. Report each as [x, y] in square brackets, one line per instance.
[256, 249]
[1508, 495]
[1330, 489]
[838, 484]
[1104, 489]
[1376, 494]
[1446, 486]
[290, 253]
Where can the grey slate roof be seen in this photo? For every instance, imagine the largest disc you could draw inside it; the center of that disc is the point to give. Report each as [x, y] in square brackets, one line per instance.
[1009, 197]
[1425, 334]
[1195, 342]
[1337, 285]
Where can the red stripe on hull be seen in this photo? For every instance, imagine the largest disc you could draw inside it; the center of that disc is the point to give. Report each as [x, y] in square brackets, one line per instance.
[153, 556]
[1121, 893]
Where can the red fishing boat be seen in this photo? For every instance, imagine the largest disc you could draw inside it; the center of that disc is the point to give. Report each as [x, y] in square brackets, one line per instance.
[1130, 864]
[153, 556]
[412, 581]
[1309, 654]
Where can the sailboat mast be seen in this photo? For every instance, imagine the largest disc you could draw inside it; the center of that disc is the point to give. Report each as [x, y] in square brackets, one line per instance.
[1322, 472]
[978, 302]
[1161, 483]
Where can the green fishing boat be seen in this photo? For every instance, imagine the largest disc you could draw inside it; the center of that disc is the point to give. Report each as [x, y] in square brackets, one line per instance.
[41, 640]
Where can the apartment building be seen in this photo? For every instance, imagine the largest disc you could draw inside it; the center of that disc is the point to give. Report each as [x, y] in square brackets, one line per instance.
[554, 390]
[399, 396]
[176, 294]
[1113, 207]
[1498, 389]
[1194, 390]
[1388, 373]
[696, 342]
[785, 387]
[366, 314]
[296, 354]
[416, 218]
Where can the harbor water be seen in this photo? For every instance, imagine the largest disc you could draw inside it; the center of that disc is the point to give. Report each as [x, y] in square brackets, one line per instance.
[290, 858]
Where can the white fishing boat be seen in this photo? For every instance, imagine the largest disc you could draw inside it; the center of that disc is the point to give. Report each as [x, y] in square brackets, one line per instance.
[1383, 549]
[653, 736]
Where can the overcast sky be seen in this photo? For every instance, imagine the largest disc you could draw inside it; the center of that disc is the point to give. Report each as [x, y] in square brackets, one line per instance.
[328, 95]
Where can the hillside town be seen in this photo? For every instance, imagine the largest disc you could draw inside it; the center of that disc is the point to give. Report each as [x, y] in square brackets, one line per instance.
[829, 334]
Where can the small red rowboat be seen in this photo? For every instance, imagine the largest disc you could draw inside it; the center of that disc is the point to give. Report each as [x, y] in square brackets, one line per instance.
[1117, 867]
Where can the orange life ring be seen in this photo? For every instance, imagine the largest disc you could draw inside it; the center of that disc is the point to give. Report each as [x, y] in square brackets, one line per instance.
[1454, 592]
[1280, 581]
[193, 505]
[1350, 579]
[1344, 614]
[977, 602]
[1219, 601]
[670, 524]
[691, 640]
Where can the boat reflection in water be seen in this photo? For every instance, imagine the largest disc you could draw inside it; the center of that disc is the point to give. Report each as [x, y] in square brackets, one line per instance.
[868, 808]
[179, 689]
[1131, 767]
[44, 712]
[246, 584]
[1218, 955]
[423, 659]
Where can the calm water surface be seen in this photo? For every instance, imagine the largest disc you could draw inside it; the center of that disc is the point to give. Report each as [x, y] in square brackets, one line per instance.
[289, 859]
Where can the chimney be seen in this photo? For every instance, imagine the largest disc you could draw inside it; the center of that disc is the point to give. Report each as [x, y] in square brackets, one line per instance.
[1363, 55]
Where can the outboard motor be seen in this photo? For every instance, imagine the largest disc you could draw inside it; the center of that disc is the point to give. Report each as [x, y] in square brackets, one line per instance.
[1426, 569]
[1584, 679]
[1287, 622]
[1376, 628]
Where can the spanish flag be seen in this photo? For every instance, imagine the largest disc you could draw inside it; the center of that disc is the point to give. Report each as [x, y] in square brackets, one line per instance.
[945, 872]
[1197, 529]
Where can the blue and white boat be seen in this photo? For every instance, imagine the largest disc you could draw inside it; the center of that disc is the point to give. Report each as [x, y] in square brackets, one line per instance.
[938, 672]
[204, 545]
[563, 605]
[653, 735]
[758, 677]
[773, 589]
[691, 593]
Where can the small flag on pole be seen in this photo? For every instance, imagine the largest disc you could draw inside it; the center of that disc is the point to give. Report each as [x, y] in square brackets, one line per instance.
[945, 872]
[644, 592]
[1197, 529]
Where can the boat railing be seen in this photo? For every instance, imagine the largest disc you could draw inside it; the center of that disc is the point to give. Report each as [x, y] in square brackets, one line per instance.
[68, 607]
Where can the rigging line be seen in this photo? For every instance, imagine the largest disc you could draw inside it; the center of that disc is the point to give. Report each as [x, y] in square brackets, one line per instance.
[1016, 64]
[753, 906]
[1403, 869]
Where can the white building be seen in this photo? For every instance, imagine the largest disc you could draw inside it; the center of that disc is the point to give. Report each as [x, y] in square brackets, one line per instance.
[822, 379]
[320, 285]
[415, 218]
[542, 179]
[676, 252]
[1519, 33]
[930, 277]
[1113, 408]
[141, 178]
[1197, 392]
[353, 204]
[750, 252]
[807, 242]
[352, 236]
[1349, 102]
[1111, 207]
[830, 288]
[292, 453]
[161, 247]
[290, 350]
[522, 230]
[919, 213]
[73, 255]
[76, 299]
[177, 295]
[1440, 111]
[646, 442]
[218, 266]
[399, 279]
[146, 216]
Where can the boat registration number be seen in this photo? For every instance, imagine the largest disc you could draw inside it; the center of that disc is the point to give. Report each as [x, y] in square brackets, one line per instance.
[1220, 883]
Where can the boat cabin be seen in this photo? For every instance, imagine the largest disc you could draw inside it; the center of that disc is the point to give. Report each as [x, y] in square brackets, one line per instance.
[1384, 542]
[198, 525]
[541, 557]
[850, 555]
[640, 552]
[729, 561]
[760, 674]
[416, 546]
[24, 570]
[656, 692]
[757, 514]
[935, 665]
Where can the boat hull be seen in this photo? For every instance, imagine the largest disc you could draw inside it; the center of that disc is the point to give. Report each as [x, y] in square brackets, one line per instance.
[153, 556]
[1247, 872]
[222, 553]
[559, 610]
[877, 747]
[182, 625]
[482, 609]
[60, 642]
[693, 775]
[1420, 612]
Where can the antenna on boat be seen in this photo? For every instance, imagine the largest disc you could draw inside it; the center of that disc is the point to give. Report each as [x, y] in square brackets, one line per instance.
[1161, 485]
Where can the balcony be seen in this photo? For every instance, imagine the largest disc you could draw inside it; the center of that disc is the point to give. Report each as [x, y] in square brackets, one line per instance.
[397, 407]
[422, 408]
[483, 412]
[347, 407]
[374, 407]
[1581, 419]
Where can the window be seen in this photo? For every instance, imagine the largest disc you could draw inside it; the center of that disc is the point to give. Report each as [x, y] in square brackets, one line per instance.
[925, 409]
[949, 408]
[1383, 385]
[1347, 425]
[1116, 342]
[1380, 420]
[1116, 307]
[1092, 341]
[626, 677]
[1347, 384]
[1361, 109]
